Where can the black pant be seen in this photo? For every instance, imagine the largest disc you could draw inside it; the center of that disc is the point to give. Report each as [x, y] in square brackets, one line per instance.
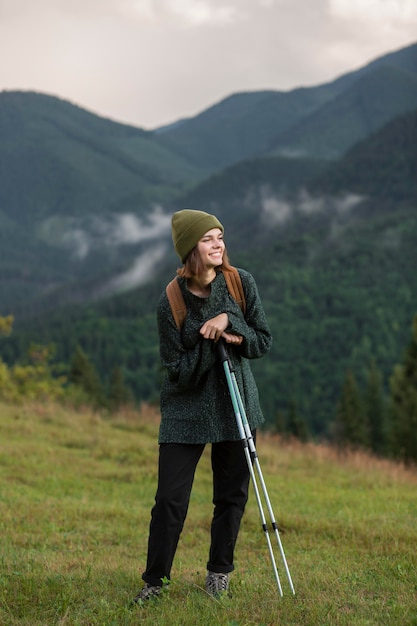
[177, 465]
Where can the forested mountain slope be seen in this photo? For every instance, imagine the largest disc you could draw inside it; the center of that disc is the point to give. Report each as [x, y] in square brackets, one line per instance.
[323, 120]
[76, 192]
[85, 202]
[334, 256]
[374, 99]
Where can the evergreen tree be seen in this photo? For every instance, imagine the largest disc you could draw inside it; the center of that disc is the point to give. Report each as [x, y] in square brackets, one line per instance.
[119, 393]
[349, 427]
[83, 374]
[374, 410]
[403, 385]
[296, 425]
[280, 422]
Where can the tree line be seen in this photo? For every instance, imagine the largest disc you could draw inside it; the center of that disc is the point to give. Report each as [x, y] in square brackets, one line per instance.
[366, 416]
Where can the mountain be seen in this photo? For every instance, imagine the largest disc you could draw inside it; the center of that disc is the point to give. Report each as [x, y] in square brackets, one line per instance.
[384, 165]
[85, 202]
[371, 101]
[85, 245]
[319, 121]
[78, 195]
[242, 195]
[57, 158]
[334, 257]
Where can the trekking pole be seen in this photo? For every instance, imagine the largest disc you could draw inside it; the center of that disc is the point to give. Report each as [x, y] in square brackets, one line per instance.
[252, 460]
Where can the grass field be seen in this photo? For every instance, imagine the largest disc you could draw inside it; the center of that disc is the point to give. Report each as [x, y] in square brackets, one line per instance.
[75, 495]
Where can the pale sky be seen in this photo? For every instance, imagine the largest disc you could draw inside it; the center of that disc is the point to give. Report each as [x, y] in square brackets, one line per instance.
[152, 62]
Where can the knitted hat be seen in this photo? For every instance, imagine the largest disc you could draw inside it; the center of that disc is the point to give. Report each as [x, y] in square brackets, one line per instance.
[188, 226]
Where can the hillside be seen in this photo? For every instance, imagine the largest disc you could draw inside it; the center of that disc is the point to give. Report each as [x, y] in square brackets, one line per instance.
[383, 166]
[58, 159]
[374, 99]
[240, 127]
[76, 493]
[319, 121]
[77, 192]
[85, 202]
[245, 196]
[85, 245]
[335, 266]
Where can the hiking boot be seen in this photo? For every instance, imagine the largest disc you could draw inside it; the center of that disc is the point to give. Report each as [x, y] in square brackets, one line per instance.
[217, 584]
[148, 592]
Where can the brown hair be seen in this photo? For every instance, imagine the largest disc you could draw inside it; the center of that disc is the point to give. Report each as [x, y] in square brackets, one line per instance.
[193, 265]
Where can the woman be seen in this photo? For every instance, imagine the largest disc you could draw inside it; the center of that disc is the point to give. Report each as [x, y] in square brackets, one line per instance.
[196, 408]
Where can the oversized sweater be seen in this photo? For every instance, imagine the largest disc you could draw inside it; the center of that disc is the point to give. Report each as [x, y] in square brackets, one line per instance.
[195, 401]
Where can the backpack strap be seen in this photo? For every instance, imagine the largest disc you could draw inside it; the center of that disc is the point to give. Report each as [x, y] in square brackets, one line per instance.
[176, 299]
[235, 287]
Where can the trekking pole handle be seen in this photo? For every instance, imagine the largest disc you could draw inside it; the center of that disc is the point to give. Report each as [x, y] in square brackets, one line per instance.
[222, 351]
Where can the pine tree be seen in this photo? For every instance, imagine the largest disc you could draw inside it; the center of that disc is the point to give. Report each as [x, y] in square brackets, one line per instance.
[374, 410]
[280, 422]
[119, 393]
[296, 426]
[403, 385]
[84, 374]
[349, 427]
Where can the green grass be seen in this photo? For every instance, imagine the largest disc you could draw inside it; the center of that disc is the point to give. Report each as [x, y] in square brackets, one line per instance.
[75, 495]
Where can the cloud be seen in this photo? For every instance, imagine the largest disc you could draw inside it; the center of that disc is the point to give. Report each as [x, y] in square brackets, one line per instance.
[160, 12]
[77, 241]
[278, 210]
[374, 10]
[138, 274]
[112, 232]
[128, 228]
[83, 236]
[275, 211]
[193, 12]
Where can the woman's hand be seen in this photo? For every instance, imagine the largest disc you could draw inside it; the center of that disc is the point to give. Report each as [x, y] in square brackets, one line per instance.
[234, 339]
[215, 327]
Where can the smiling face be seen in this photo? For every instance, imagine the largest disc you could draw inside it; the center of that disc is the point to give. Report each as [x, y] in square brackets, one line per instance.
[211, 248]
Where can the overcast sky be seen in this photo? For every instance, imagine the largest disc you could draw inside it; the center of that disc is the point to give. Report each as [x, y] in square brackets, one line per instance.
[151, 62]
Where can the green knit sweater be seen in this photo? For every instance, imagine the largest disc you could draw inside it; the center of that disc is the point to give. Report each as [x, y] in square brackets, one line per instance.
[195, 400]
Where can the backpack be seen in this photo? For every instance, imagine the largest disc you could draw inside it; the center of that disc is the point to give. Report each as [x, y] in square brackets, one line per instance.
[176, 299]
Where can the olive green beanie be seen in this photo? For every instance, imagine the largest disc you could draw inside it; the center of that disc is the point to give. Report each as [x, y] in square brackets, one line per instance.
[188, 226]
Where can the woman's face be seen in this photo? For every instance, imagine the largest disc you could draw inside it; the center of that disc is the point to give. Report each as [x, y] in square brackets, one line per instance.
[211, 248]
